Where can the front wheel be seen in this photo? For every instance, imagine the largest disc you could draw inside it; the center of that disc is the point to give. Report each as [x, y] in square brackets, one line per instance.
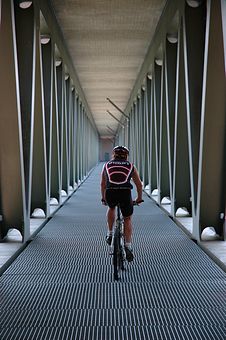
[117, 258]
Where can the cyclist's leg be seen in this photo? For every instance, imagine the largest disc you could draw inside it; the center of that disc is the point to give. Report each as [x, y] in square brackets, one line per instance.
[128, 229]
[110, 199]
[110, 218]
[126, 205]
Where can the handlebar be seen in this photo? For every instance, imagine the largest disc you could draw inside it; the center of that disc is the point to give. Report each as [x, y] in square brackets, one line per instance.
[134, 202]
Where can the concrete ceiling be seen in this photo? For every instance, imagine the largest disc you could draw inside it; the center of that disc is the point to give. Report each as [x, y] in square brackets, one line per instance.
[107, 41]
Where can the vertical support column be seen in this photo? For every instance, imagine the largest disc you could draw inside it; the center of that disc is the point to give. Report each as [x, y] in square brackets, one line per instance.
[59, 100]
[82, 143]
[132, 148]
[64, 155]
[12, 185]
[139, 134]
[26, 42]
[55, 185]
[170, 88]
[155, 128]
[75, 140]
[136, 134]
[194, 42]
[78, 142]
[72, 146]
[145, 138]
[142, 135]
[68, 127]
[152, 158]
[164, 186]
[39, 166]
[131, 134]
[212, 158]
[181, 175]
[47, 70]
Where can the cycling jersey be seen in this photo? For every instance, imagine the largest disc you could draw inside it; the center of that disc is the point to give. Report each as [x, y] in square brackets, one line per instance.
[118, 174]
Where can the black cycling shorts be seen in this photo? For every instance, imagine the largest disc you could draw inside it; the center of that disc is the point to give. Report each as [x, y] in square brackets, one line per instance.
[123, 197]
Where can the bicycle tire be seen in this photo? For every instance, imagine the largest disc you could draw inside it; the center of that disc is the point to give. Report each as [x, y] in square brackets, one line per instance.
[117, 265]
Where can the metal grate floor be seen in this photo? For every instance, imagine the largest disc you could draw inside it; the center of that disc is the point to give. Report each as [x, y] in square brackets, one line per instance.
[61, 285]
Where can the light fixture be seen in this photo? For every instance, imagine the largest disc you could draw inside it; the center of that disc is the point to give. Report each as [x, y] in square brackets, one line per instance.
[172, 38]
[58, 62]
[194, 3]
[45, 39]
[72, 88]
[158, 62]
[66, 76]
[25, 4]
[143, 87]
[149, 75]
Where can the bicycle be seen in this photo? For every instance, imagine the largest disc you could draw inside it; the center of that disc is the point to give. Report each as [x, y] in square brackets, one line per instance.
[119, 254]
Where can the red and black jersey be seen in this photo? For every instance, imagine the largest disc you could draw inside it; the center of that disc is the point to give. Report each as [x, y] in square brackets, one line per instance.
[118, 173]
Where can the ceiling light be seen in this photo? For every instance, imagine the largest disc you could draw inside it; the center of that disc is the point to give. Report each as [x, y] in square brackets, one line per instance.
[149, 75]
[66, 76]
[158, 62]
[45, 39]
[172, 38]
[194, 3]
[25, 4]
[58, 62]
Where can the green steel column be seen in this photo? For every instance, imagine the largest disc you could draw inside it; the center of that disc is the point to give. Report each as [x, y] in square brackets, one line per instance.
[164, 186]
[181, 176]
[47, 74]
[59, 98]
[155, 128]
[39, 198]
[55, 143]
[148, 128]
[194, 43]
[72, 139]
[170, 88]
[75, 172]
[152, 149]
[146, 136]
[12, 186]
[212, 156]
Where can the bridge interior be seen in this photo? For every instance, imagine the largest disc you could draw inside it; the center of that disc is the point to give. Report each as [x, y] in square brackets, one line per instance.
[76, 78]
[61, 286]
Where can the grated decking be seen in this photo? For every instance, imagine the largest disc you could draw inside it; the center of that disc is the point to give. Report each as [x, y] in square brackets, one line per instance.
[61, 286]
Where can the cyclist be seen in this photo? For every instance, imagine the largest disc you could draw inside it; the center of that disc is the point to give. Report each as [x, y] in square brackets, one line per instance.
[116, 188]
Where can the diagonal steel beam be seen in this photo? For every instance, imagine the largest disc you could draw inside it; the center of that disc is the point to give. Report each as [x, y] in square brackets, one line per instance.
[110, 101]
[115, 118]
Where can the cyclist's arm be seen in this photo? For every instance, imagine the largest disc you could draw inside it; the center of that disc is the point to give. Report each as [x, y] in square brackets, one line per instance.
[138, 183]
[103, 185]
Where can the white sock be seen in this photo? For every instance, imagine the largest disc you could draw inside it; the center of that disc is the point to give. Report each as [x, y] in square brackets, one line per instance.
[109, 233]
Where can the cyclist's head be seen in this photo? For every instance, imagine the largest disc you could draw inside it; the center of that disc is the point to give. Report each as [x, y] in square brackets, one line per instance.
[120, 152]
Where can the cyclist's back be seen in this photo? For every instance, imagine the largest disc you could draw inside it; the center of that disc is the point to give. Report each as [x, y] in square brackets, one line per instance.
[116, 189]
[118, 174]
